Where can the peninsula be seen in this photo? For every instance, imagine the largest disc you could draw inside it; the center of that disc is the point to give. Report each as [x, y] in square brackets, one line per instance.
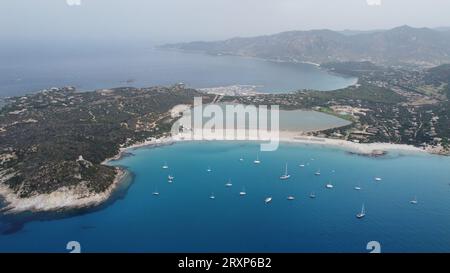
[53, 142]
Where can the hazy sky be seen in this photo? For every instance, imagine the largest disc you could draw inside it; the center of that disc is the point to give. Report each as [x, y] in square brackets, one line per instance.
[181, 20]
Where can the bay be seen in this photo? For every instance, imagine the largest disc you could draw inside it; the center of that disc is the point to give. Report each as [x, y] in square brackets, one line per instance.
[184, 219]
[29, 70]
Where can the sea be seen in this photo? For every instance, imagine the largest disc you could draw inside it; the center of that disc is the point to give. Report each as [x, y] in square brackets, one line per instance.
[183, 217]
[26, 70]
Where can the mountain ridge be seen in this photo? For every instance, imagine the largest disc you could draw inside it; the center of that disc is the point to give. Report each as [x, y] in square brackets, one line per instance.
[400, 45]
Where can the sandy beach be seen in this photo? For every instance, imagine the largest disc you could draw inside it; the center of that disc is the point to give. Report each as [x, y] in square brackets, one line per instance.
[283, 136]
[360, 148]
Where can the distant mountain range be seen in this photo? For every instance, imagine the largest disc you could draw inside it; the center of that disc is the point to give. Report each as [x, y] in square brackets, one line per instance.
[397, 46]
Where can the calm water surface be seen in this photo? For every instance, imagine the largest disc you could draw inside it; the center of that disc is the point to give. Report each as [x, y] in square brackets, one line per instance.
[184, 219]
[32, 70]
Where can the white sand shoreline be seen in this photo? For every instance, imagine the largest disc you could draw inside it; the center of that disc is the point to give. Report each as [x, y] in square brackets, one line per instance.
[286, 137]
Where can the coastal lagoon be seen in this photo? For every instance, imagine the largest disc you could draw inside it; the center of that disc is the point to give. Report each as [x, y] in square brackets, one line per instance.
[299, 121]
[183, 218]
[31, 69]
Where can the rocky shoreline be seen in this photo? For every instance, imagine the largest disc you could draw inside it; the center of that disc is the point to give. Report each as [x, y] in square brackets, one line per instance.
[61, 200]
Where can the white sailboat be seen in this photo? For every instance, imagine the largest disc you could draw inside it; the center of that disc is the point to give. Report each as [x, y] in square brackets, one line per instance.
[257, 161]
[209, 169]
[229, 184]
[165, 166]
[268, 200]
[156, 192]
[312, 195]
[212, 196]
[362, 213]
[285, 176]
[378, 179]
[317, 173]
[301, 165]
[329, 185]
[241, 159]
[243, 192]
[357, 188]
[414, 201]
[290, 198]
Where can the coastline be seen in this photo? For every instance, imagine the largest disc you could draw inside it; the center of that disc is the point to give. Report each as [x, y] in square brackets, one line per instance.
[292, 61]
[290, 137]
[236, 55]
[80, 197]
[369, 149]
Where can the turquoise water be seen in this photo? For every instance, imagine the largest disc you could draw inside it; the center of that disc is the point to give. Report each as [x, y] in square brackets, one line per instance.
[32, 69]
[183, 218]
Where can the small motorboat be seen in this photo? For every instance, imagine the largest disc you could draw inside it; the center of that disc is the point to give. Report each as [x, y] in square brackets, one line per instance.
[362, 213]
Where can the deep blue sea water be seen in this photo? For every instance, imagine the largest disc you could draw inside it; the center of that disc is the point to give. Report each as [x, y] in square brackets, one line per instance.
[184, 219]
[29, 69]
